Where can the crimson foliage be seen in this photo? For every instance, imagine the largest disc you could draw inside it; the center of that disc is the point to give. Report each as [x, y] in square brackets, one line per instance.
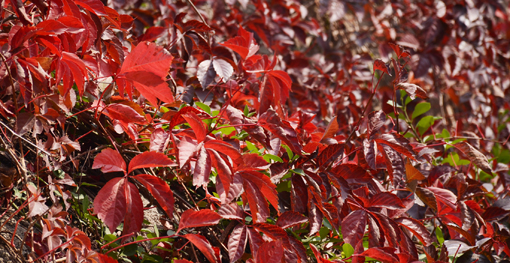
[264, 131]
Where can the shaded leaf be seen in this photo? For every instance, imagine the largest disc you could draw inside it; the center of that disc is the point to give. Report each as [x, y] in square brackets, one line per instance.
[353, 227]
[475, 156]
[417, 228]
[290, 219]
[160, 190]
[206, 73]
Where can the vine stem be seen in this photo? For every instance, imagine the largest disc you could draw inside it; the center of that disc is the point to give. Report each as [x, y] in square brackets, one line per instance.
[364, 110]
[198, 13]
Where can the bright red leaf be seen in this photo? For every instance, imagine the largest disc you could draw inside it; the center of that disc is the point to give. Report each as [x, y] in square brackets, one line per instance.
[149, 159]
[192, 218]
[203, 245]
[160, 190]
[109, 161]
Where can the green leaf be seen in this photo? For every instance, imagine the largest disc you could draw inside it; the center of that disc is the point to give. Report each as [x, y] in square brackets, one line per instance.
[268, 157]
[425, 123]
[226, 131]
[348, 250]
[251, 147]
[420, 109]
[439, 235]
[203, 106]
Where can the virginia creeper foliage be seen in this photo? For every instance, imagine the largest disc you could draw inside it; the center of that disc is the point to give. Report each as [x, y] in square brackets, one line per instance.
[260, 131]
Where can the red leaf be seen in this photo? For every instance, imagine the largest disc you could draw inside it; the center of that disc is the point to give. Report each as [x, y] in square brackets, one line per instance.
[290, 219]
[270, 252]
[274, 232]
[117, 199]
[351, 172]
[386, 200]
[494, 213]
[224, 172]
[147, 67]
[380, 254]
[160, 190]
[380, 65]
[264, 184]
[244, 44]
[417, 228]
[149, 159]
[251, 162]
[231, 211]
[281, 84]
[77, 68]
[258, 205]
[133, 215]
[109, 161]
[353, 227]
[330, 154]
[152, 33]
[196, 125]
[224, 148]
[106, 259]
[203, 245]
[394, 163]
[94, 6]
[187, 148]
[192, 218]
[237, 242]
[444, 195]
[281, 129]
[122, 112]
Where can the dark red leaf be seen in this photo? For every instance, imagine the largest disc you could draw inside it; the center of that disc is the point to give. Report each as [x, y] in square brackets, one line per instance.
[475, 156]
[251, 162]
[258, 204]
[394, 163]
[381, 255]
[237, 242]
[263, 184]
[160, 190]
[290, 219]
[270, 252]
[427, 197]
[353, 227]
[370, 151]
[109, 161]
[274, 232]
[94, 6]
[330, 154]
[203, 245]
[152, 33]
[281, 129]
[351, 172]
[231, 211]
[380, 65]
[150, 159]
[192, 218]
[386, 200]
[417, 228]
[494, 213]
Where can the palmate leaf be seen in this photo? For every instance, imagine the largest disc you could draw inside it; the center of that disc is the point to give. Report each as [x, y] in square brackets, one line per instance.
[353, 227]
[119, 201]
[270, 252]
[244, 44]
[146, 68]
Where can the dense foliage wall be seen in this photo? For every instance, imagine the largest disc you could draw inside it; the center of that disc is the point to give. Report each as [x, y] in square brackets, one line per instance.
[260, 131]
